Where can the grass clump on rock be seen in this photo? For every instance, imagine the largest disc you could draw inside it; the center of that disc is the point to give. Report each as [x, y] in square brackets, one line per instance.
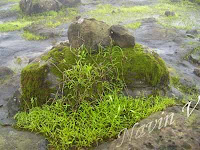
[87, 76]
[13, 26]
[30, 36]
[89, 124]
[90, 106]
[33, 85]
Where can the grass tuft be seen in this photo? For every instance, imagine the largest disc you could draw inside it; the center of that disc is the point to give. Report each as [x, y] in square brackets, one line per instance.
[89, 124]
[13, 26]
[134, 25]
[30, 36]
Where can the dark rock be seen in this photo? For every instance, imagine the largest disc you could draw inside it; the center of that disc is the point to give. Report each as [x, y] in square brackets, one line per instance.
[41, 30]
[169, 13]
[78, 17]
[7, 122]
[197, 72]
[194, 57]
[89, 32]
[121, 36]
[190, 36]
[173, 92]
[175, 1]
[93, 33]
[14, 104]
[5, 72]
[38, 6]
[169, 137]
[192, 32]
[11, 139]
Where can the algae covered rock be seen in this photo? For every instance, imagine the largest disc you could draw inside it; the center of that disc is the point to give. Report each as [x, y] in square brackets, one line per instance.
[38, 6]
[34, 84]
[137, 67]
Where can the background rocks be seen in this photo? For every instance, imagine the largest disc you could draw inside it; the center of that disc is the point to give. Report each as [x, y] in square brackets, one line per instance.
[121, 36]
[11, 139]
[5, 72]
[93, 33]
[38, 6]
[89, 32]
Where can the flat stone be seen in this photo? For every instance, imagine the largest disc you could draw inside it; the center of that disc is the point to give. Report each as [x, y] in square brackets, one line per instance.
[182, 133]
[11, 139]
[197, 72]
[5, 71]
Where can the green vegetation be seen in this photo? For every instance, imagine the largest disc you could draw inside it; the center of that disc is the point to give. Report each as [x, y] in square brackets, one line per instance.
[182, 20]
[88, 76]
[195, 51]
[191, 92]
[30, 36]
[52, 19]
[105, 13]
[18, 60]
[15, 8]
[134, 60]
[11, 0]
[33, 85]
[13, 26]
[89, 124]
[134, 25]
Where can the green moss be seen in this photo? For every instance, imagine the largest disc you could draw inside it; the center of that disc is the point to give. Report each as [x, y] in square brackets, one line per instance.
[61, 58]
[89, 124]
[18, 60]
[134, 25]
[195, 51]
[33, 84]
[111, 68]
[133, 63]
[192, 93]
[185, 14]
[13, 26]
[142, 66]
[31, 36]
[113, 15]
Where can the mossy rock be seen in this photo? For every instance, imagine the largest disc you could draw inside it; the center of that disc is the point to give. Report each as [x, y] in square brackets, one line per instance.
[34, 84]
[133, 64]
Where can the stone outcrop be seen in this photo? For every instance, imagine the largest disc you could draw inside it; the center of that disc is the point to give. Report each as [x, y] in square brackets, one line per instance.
[92, 33]
[89, 32]
[11, 139]
[138, 67]
[38, 6]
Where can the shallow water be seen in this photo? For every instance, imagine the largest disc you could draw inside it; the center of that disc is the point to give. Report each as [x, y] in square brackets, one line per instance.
[13, 46]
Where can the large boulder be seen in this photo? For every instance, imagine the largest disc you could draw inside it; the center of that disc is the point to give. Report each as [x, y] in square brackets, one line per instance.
[89, 32]
[92, 33]
[38, 6]
[138, 67]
